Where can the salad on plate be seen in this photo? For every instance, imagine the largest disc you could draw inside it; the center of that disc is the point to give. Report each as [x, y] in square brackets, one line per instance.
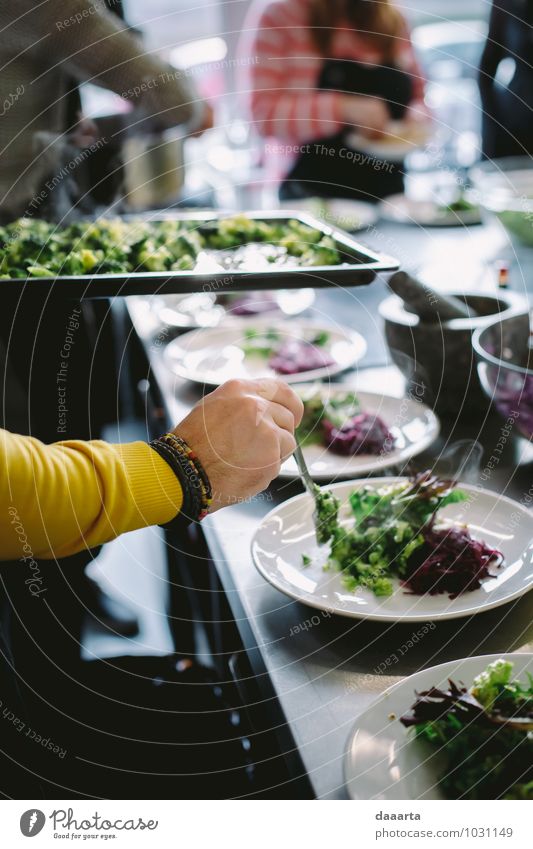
[288, 356]
[339, 424]
[396, 533]
[484, 732]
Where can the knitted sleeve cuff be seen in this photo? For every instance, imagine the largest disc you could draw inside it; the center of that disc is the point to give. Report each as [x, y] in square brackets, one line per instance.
[154, 488]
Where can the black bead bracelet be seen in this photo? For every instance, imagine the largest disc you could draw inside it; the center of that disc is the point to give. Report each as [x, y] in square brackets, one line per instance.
[191, 476]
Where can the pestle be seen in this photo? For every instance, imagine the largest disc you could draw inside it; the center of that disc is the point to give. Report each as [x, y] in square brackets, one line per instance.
[429, 305]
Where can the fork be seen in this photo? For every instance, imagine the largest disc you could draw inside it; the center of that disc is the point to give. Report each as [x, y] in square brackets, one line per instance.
[307, 481]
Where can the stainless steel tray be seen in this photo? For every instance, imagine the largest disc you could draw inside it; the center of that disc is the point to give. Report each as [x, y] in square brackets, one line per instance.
[360, 267]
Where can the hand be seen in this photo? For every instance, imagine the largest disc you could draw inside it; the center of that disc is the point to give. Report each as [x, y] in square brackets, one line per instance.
[417, 123]
[242, 432]
[86, 132]
[369, 115]
[207, 122]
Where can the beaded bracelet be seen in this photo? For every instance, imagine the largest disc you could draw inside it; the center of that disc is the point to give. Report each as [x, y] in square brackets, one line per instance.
[197, 496]
[190, 508]
[194, 467]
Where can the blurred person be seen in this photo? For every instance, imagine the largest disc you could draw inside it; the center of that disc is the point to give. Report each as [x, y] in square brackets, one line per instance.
[43, 48]
[46, 147]
[507, 116]
[321, 71]
[62, 499]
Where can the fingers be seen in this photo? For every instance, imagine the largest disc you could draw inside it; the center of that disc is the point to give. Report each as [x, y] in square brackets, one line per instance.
[287, 444]
[283, 421]
[281, 416]
[281, 393]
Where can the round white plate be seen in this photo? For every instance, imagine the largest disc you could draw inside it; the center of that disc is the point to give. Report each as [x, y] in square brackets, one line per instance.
[413, 425]
[203, 310]
[213, 355]
[383, 760]
[287, 532]
[350, 215]
[399, 140]
[425, 213]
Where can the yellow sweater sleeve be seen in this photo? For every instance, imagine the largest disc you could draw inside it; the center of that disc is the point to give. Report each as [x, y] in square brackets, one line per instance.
[56, 500]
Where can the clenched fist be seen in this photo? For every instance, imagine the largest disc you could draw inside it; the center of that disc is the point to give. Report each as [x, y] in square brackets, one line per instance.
[241, 433]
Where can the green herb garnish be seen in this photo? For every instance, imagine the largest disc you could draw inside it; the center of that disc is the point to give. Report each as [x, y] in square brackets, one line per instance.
[327, 512]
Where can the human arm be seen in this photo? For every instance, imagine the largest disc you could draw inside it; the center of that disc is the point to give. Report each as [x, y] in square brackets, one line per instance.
[405, 58]
[493, 53]
[93, 45]
[58, 499]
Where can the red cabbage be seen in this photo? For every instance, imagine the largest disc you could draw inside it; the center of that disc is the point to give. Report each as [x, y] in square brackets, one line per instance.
[253, 304]
[299, 355]
[512, 393]
[364, 434]
[450, 561]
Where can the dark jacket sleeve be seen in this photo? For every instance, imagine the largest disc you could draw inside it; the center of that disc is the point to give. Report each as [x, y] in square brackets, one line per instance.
[493, 52]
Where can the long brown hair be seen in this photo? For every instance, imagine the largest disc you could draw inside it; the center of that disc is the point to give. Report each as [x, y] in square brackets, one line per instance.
[378, 20]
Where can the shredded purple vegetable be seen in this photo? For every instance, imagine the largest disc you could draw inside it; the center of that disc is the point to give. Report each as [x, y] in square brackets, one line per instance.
[298, 355]
[512, 393]
[434, 704]
[363, 434]
[255, 304]
[450, 561]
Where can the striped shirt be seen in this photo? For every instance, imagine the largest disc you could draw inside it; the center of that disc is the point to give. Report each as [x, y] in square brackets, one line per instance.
[280, 84]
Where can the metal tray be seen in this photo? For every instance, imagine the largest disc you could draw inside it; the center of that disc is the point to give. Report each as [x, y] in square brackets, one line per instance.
[360, 267]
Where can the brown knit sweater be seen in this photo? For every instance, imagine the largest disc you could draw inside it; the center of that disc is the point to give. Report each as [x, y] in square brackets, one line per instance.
[43, 43]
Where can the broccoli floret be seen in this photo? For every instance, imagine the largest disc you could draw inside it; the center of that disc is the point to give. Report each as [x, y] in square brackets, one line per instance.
[34, 271]
[488, 684]
[184, 263]
[382, 587]
[155, 259]
[327, 508]
[323, 253]
[89, 259]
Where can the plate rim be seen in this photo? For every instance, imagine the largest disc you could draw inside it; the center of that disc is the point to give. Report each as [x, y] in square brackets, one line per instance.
[387, 205]
[284, 475]
[395, 151]
[232, 321]
[371, 210]
[380, 617]
[489, 658]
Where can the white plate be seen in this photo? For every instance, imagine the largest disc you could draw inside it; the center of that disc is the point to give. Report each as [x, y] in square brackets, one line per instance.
[384, 761]
[287, 532]
[413, 424]
[400, 140]
[203, 310]
[213, 355]
[425, 213]
[350, 215]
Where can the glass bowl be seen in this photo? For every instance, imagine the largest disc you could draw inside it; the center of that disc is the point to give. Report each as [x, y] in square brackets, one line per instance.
[505, 368]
